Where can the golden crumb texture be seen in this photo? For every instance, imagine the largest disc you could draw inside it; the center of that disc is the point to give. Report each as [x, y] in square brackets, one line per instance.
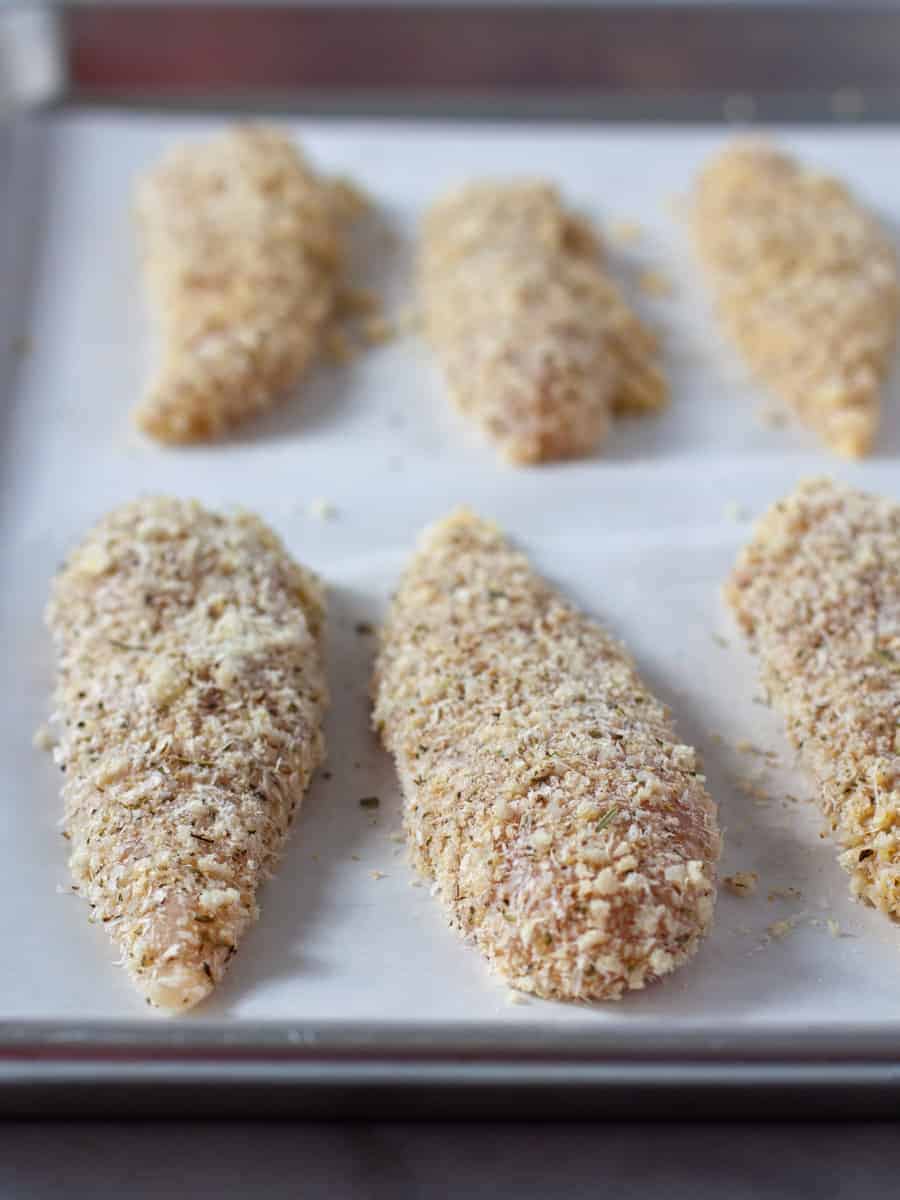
[818, 590]
[536, 343]
[566, 828]
[190, 697]
[243, 255]
[806, 284]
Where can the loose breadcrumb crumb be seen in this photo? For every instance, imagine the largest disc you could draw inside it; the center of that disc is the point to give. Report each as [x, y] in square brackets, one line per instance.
[806, 283]
[361, 311]
[190, 694]
[536, 342]
[742, 883]
[625, 232]
[780, 929]
[735, 512]
[43, 738]
[753, 788]
[818, 591]
[655, 283]
[567, 829]
[378, 329]
[833, 928]
[321, 509]
[243, 253]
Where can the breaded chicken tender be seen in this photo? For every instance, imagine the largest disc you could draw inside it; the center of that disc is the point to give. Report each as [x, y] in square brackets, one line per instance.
[818, 591]
[568, 830]
[190, 696]
[535, 340]
[243, 255]
[806, 284]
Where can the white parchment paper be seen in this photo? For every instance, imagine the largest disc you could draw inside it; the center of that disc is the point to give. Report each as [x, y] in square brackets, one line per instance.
[641, 536]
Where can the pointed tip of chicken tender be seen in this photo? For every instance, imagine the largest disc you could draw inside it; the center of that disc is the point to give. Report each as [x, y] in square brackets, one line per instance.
[176, 987]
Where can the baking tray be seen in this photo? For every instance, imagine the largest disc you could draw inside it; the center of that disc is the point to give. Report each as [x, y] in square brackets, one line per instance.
[350, 996]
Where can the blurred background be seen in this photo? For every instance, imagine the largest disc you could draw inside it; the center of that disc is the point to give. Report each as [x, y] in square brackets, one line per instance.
[801, 60]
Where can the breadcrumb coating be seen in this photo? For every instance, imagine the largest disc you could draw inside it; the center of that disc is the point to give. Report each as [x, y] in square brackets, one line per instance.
[806, 284]
[536, 342]
[243, 256]
[190, 696]
[568, 831]
[818, 590]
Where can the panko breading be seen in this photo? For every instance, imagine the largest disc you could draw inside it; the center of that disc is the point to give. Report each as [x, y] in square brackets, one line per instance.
[536, 342]
[818, 590]
[243, 255]
[806, 283]
[568, 831]
[190, 696]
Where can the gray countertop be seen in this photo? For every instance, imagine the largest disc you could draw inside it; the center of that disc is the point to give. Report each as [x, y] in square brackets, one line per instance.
[400, 1161]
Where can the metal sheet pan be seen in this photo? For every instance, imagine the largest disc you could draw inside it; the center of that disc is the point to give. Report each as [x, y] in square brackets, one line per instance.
[806, 1028]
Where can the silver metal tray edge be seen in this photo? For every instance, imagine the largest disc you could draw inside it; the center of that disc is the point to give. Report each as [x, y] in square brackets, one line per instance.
[200, 1068]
